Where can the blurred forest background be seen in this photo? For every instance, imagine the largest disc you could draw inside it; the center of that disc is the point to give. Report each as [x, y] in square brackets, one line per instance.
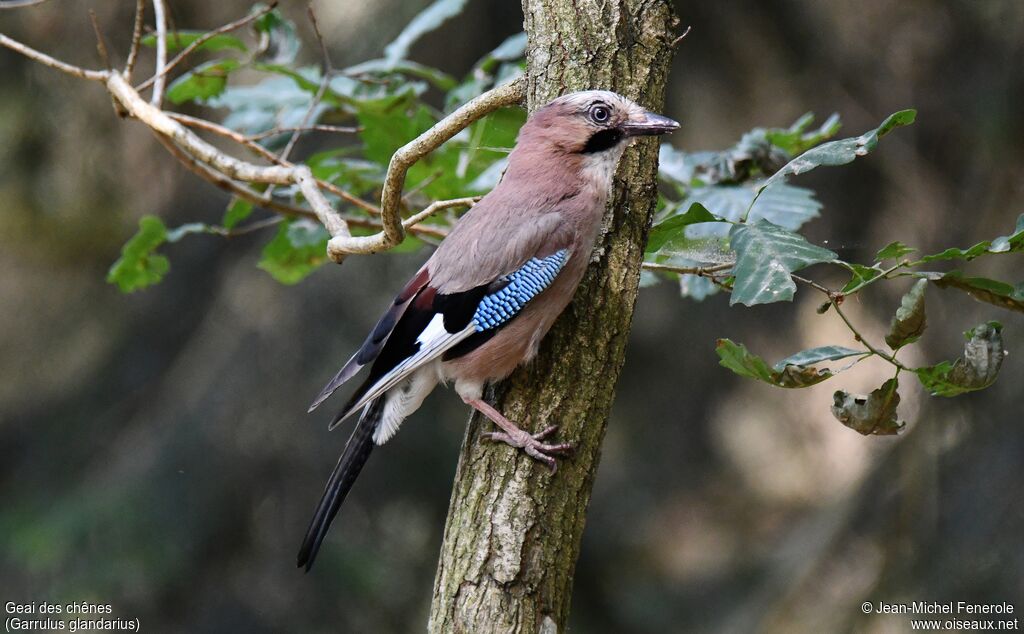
[155, 453]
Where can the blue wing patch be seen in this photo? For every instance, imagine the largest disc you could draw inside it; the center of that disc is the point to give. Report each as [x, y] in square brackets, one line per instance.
[523, 285]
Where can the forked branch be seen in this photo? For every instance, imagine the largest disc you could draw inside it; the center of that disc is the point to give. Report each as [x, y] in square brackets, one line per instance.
[236, 175]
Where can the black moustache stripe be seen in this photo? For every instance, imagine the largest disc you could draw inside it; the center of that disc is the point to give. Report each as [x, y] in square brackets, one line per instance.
[602, 140]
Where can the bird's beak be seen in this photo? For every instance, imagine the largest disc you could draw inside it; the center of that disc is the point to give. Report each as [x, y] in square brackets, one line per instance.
[649, 123]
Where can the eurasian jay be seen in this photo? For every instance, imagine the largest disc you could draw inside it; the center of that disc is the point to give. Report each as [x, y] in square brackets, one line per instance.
[481, 304]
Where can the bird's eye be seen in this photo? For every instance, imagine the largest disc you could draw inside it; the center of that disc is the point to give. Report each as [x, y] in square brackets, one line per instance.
[600, 114]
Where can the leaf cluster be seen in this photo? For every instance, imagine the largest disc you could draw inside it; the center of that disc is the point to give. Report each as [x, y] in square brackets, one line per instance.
[731, 221]
[389, 101]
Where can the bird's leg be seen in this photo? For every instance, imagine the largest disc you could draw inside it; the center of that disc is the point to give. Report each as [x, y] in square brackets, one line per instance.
[512, 435]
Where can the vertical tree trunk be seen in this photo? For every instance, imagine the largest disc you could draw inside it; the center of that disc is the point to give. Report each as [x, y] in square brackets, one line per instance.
[513, 531]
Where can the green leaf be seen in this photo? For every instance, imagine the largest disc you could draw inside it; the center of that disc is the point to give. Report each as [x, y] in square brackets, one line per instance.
[384, 131]
[984, 289]
[909, 322]
[766, 256]
[672, 226]
[782, 204]
[1003, 244]
[860, 275]
[842, 151]
[429, 19]
[869, 414]
[279, 40]
[298, 249]
[139, 265]
[180, 39]
[817, 355]
[785, 205]
[893, 251]
[977, 369]
[737, 358]
[794, 140]
[237, 211]
[202, 82]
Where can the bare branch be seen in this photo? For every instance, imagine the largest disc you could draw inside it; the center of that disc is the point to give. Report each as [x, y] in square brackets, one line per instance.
[270, 156]
[309, 128]
[203, 39]
[391, 196]
[46, 60]
[437, 206]
[676, 42]
[160, 122]
[133, 50]
[327, 215]
[159, 11]
[325, 81]
[228, 133]
[232, 174]
[262, 200]
[702, 271]
[229, 185]
[101, 45]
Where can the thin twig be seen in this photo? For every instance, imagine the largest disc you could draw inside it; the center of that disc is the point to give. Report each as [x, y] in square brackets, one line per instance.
[221, 180]
[325, 81]
[420, 186]
[702, 271]
[259, 199]
[203, 39]
[859, 337]
[46, 60]
[248, 228]
[101, 45]
[676, 42]
[883, 275]
[216, 128]
[160, 71]
[835, 298]
[437, 206]
[391, 196]
[136, 45]
[309, 128]
[307, 118]
[832, 295]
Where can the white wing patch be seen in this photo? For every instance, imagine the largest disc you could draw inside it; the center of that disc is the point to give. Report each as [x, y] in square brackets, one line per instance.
[434, 330]
[429, 350]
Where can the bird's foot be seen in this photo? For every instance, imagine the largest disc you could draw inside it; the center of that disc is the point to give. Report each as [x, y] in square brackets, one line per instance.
[511, 434]
[532, 444]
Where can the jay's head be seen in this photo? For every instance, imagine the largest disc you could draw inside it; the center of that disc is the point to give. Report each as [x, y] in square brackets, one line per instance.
[591, 124]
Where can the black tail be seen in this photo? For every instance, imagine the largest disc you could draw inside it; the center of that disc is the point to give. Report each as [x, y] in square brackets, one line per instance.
[357, 450]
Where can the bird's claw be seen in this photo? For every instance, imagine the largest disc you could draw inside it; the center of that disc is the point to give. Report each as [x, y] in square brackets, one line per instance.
[533, 446]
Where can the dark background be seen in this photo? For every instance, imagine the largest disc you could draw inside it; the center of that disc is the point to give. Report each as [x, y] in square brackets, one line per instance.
[155, 454]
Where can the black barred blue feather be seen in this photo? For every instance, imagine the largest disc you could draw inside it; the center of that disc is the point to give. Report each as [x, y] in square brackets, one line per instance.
[499, 307]
[435, 325]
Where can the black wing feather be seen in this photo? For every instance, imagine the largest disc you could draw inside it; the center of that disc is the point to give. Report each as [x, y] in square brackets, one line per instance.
[457, 310]
[377, 338]
[357, 450]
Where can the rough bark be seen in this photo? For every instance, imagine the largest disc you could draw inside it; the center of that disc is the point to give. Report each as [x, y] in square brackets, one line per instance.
[513, 530]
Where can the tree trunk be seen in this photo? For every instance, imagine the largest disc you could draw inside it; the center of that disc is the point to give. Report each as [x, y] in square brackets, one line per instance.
[513, 531]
